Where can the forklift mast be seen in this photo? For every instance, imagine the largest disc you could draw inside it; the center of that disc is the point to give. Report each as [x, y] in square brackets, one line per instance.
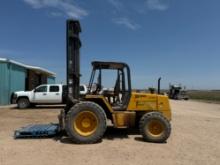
[73, 60]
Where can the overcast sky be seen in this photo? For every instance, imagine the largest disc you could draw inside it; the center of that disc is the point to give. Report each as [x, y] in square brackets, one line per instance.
[178, 40]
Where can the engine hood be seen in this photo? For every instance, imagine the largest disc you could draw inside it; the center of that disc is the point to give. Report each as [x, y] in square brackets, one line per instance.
[23, 93]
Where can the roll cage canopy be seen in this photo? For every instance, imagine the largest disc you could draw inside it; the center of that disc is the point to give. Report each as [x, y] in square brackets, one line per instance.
[122, 68]
[122, 84]
[109, 65]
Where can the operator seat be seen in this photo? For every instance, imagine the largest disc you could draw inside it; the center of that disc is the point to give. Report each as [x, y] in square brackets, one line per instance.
[123, 105]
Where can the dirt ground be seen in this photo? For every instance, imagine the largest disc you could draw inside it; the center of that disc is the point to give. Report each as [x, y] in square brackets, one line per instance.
[195, 139]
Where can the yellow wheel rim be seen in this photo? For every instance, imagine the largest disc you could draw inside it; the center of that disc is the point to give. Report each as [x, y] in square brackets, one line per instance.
[85, 123]
[155, 128]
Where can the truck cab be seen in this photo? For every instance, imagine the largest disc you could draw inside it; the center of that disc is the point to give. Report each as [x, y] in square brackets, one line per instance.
[47, 94]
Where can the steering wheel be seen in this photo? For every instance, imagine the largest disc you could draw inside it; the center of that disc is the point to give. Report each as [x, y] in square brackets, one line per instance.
[98, 88]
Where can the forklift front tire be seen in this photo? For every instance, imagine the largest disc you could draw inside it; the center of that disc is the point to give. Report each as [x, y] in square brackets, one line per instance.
[86, 123]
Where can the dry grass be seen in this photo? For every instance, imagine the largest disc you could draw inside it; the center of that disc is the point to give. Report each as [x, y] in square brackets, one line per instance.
[205, 95]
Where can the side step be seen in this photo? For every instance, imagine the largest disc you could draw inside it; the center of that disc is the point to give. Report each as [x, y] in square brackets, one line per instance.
[36, 131]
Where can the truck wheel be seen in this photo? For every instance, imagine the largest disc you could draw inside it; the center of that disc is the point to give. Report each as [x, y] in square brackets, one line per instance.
[85, 123]
[154, 127]
[23, 103]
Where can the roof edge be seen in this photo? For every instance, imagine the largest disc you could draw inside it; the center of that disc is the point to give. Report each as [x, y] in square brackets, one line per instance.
[31, 67]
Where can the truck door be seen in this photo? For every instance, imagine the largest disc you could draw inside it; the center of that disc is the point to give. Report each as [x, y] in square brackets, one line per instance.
[54, 95]
[40, 94]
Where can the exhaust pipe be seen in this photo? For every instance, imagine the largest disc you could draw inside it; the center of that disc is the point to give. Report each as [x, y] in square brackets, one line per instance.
[158, 89]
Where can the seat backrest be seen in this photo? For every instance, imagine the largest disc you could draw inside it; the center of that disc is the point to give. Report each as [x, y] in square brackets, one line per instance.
[125, 98]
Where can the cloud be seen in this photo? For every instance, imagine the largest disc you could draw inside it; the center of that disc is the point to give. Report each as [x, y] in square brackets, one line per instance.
[127, 23]
[157, 5]
[116, 4]
[65, 7]
[122, 10]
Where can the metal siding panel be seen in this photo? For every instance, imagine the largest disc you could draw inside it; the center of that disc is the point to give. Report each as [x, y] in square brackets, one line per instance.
[17, 78]
[12, 78]
[4, 83]
[50, 80]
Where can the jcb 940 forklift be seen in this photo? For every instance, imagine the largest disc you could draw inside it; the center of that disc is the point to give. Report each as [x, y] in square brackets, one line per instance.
[85, 117]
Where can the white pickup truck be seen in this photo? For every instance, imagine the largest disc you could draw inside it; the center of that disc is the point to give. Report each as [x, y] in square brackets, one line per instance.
[43, 94]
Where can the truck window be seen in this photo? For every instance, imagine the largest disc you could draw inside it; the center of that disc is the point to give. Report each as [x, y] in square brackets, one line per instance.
[41, 89]
[81, 88]
[54, 88]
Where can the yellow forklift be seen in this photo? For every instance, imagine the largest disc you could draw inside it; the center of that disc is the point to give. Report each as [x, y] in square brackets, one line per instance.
[85, 117]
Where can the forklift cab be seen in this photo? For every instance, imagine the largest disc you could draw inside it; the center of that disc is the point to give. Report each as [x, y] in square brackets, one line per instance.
[118, 96]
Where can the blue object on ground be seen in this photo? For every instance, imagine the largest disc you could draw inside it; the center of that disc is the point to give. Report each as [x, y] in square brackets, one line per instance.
[35, 131]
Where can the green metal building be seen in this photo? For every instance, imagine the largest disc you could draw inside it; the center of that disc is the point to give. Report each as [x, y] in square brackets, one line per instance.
[15, 76]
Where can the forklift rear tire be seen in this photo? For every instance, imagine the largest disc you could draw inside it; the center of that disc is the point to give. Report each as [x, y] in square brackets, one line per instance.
[23, 103]
[85, 123]
[154, 127]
